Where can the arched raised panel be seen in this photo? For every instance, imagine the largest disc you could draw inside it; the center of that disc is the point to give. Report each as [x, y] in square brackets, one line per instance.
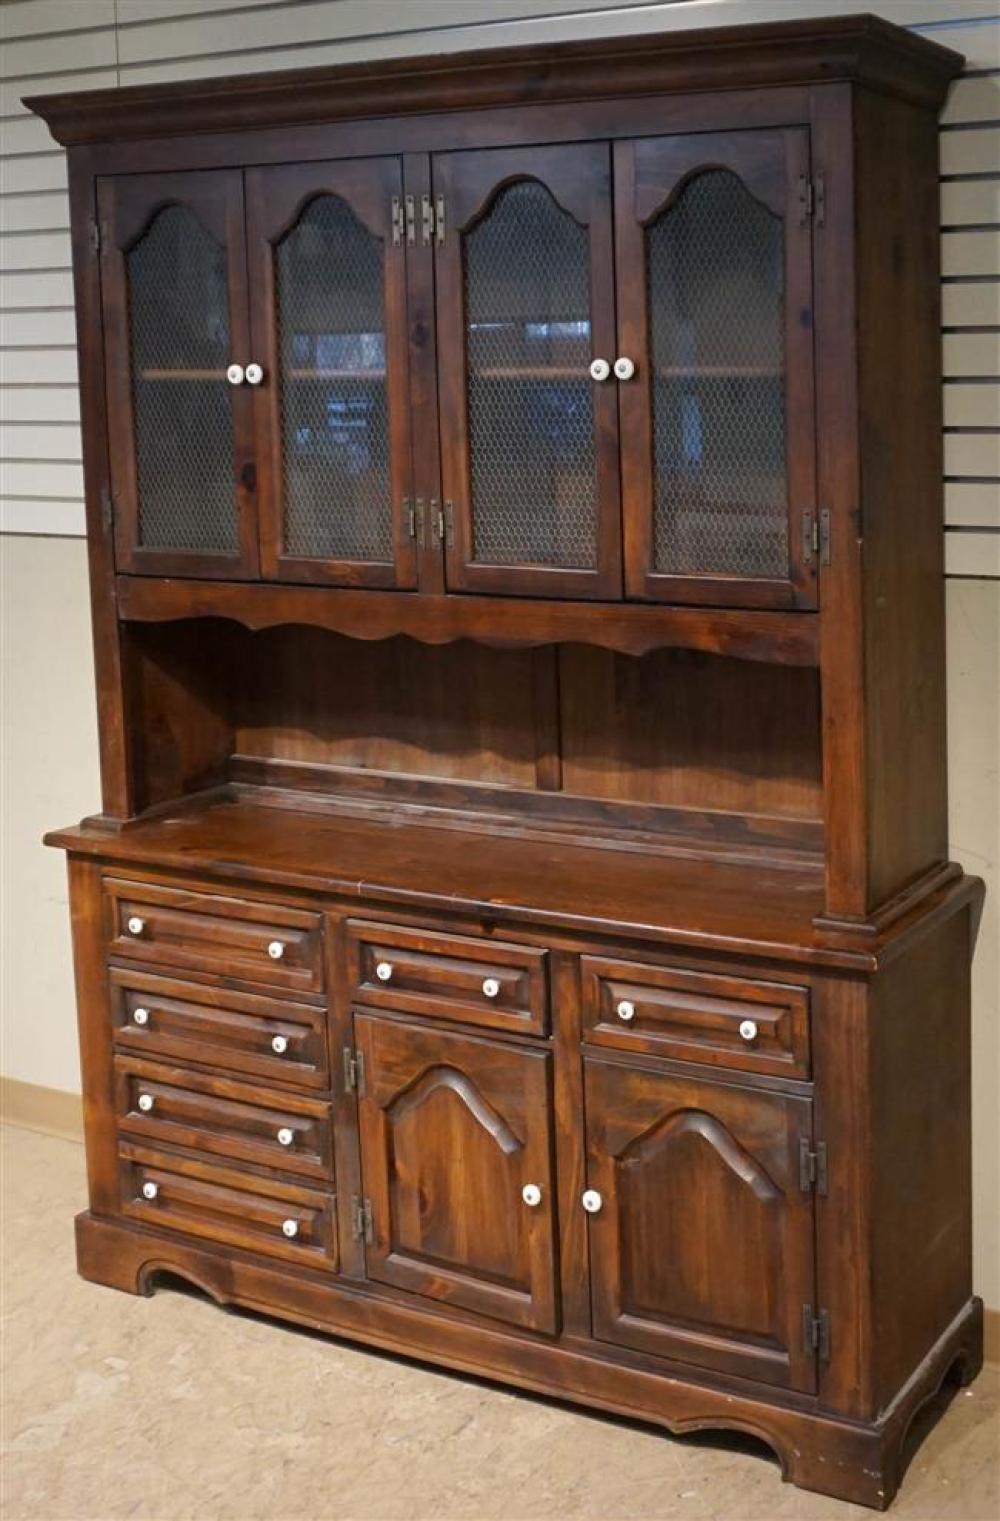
[702, 1251]
[525, 303]
[329, 274]
[453, 1127]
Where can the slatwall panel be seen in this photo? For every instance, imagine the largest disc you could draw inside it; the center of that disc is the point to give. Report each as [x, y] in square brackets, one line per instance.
[78, 44]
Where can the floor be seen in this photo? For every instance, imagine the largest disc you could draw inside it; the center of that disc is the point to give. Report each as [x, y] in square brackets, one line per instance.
[173, 1410]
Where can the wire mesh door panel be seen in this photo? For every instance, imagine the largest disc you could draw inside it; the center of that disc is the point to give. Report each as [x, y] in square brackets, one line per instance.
[714, 268]
[177, 343]
[529, 437]
[328, 306]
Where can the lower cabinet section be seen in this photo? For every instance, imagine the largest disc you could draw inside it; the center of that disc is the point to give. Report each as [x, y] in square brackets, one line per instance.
[456, 1157]
[701, 1243]
[235, 1208]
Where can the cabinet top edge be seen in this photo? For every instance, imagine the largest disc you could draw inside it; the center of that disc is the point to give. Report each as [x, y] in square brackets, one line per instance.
[863, 49]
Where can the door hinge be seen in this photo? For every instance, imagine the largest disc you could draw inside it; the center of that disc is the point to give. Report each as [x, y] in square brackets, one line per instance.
[410, 517]
[411, 219]
[95, 236]
[439, 225]
[812, 1166]
[816, 1332]
[812, 200]
[816, 537]
[824, 536]
[426, 219]
[361, 1219]
[397, 220]
[107, 507]
[354, 1070]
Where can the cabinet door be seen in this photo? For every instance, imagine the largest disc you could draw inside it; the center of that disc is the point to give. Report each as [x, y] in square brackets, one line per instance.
[713, 250]
[454, 1130]
[173, 273]
[328, 305]
[525, 296]
[702, 1249]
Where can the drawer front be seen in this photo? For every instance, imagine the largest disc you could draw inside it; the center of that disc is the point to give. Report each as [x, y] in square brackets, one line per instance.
[236, 1209]
[475, 982]
[697, 1016]
[251, 942]
[240, 1032]
[282, 1131]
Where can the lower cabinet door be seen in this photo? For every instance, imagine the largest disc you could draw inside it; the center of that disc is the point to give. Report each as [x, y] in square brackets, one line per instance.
[702, 1241]
[456, 1158]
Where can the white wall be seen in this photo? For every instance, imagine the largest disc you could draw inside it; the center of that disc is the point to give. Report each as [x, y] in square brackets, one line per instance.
[48, 758]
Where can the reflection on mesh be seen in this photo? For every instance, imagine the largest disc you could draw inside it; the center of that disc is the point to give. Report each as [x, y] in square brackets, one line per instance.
[334, 405]
[715, 271]
[531, 423]
[179, 326]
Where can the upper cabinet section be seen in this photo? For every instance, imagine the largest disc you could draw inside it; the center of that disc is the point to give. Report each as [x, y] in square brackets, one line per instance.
[621, 351]
[176, 336]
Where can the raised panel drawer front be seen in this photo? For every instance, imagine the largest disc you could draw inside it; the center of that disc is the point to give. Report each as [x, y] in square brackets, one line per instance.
[234, 1208]
[283, 1131]
[696, 1016]
[456, 1156]
[701, 1234]
[280, 1042]
[477, 982]
[254, 942]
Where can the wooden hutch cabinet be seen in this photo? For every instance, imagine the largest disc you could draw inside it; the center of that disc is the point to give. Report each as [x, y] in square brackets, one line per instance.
[519, 930]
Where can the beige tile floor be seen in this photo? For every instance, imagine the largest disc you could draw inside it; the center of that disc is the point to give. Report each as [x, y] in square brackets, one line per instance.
[170, 1409]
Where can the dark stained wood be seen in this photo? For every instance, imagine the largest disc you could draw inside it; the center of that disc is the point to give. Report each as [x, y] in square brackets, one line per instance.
[444, 894]
[649, 175]
[578, 178]
[722, 1287]
[276, 198]
[863, 48]
[788, 638]
[452, 1129]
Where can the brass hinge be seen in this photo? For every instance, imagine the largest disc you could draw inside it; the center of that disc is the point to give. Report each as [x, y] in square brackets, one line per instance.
[361, 1219]
[354, 1070]
[426, 219]
[411, 220]
[816, 537]
[816, 1332]
[397, 220]
[812, 1166]
[812, 200]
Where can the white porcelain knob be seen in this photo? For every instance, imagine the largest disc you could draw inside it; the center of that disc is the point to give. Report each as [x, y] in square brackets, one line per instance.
[279, 1044]
[135, 925]
[140, 1016]
[748, 1030]
[491, 987]
[235, 374]
[145, 1102]
[149, 1190]
[625, 1010]
[285, 1136]
[591, 1201]
[383, 971]
[624, 368]
[599, 369]
[531, 1194]
[289, 1228]
[254, 374]
[276, 950]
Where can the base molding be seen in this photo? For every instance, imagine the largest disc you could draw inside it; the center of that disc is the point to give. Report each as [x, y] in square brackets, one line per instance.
[817, 1450]
[34, 1107]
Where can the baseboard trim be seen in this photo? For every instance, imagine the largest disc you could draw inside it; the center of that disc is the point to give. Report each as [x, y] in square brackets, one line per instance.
[53, 1112]
[49, 1110]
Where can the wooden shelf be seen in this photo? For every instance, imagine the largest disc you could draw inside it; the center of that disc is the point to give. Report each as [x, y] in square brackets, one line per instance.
[631, 628]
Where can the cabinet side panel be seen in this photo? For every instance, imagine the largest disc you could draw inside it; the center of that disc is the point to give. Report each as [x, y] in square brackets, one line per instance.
[900, 422]
[921, 1149]
[94, 1016]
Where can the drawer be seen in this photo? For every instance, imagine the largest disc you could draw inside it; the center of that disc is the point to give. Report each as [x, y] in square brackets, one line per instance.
[280, 1042]
[237, 1209]
[474, 982]
[283, 1131]
[696, 1016]
[251, 942]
